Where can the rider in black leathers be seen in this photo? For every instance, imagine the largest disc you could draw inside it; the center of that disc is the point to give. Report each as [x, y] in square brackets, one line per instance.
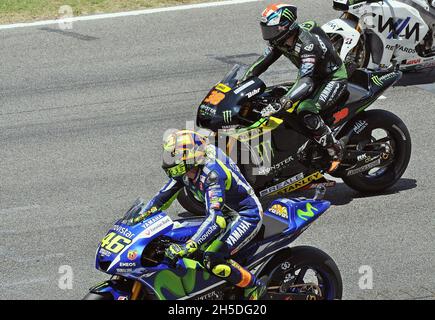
[322, 78]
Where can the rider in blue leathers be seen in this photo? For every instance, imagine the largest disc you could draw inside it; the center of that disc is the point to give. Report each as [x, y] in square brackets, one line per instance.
[234, 213]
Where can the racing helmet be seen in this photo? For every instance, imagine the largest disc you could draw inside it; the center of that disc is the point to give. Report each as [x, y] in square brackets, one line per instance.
[278, 23]
[182, 151]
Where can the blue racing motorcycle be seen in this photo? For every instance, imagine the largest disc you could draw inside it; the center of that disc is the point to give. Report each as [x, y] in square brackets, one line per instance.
[134, 254]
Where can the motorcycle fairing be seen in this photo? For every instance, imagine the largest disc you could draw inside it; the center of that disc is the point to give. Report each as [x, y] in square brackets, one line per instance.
[347, 29]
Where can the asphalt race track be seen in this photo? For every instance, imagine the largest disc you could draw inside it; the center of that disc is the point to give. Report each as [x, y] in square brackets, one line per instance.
[82, 116]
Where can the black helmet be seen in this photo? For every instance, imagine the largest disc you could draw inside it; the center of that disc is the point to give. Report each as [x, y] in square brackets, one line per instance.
[278, 23]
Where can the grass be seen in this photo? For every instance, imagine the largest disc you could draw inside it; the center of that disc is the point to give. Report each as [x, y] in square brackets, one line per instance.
[13, 11]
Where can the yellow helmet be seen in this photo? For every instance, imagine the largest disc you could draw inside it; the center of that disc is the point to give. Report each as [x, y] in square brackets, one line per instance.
[182, 151]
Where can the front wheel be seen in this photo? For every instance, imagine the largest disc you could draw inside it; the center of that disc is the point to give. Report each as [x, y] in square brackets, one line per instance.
[383, 130]
[304, 271]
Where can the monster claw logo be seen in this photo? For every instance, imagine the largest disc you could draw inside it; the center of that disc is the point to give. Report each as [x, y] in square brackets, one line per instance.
[227, 116]
[377, 81]
[307, 213]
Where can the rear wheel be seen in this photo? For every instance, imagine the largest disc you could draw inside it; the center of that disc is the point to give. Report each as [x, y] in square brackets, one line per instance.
[190, 204]
[304, 270]
[384, 131]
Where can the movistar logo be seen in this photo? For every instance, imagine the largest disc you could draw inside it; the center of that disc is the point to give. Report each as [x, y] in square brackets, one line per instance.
[228, 115]
[308, 213]
[377, 81]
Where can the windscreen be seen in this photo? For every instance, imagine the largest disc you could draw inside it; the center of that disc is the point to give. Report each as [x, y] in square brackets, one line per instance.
[135, 211]
[235, 74]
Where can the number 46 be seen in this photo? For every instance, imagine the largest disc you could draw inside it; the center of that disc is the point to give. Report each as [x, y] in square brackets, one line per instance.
[114, 242]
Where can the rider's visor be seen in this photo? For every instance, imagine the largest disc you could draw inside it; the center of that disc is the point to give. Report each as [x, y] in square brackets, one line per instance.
[270, 32]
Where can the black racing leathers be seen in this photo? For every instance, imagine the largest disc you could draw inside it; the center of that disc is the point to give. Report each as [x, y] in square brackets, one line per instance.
[320, 84]
[315, 57]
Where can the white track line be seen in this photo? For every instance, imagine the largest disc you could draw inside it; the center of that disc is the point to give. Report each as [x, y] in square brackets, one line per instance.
[125, 14]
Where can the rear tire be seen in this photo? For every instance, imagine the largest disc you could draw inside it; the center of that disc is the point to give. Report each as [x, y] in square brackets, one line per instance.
[190, 204]
[394, 126]
[294, 260]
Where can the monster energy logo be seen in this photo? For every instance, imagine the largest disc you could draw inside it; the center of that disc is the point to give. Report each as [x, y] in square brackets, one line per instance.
[307, 213]
[377, 81]
[228, 116]
[288, 14]
[265, 151]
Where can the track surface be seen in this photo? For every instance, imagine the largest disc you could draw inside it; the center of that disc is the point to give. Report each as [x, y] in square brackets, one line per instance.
[81, 120]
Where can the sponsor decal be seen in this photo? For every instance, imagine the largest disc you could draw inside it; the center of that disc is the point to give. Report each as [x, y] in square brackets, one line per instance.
[279, 211]
[214, 98]
[388, 76]
[104, 253]
[132, 255]
[152, 220]
[322, 44]
[122, 298]
[264, 171]
[340, 115]
[359, 126]
[413, 61]
[204, 237]
[122, 270]
[400, 48]
[238, 233]
[243, 87]
[206, 110]
[299, 184]
[127, 264]
[158, 226]
[228, 115]
[253, 93]
[307, 213]
[328, 184]
[122, 230]
[281, 185]
[285, 266]
[265, 151]
[223, 88]
[395, 27]
[309, 47]
[364, 168]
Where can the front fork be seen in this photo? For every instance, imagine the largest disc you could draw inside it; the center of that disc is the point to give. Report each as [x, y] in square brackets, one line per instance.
[135, 291]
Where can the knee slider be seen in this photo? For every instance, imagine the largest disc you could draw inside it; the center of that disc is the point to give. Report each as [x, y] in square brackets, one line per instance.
[312, 121]
[216, 264]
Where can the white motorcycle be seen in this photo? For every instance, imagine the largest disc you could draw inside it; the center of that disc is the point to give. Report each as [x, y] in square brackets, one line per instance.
[383, 34]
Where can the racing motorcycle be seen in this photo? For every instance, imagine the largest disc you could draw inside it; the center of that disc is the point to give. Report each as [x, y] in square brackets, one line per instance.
[277, 159]
[134, 254]
[380, 34]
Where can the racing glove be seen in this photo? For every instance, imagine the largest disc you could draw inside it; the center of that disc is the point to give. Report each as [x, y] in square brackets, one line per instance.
[177, 251]
[145, 215]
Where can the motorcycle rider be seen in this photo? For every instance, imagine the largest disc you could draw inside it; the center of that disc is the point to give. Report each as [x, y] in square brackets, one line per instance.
[234, 213]
[322, 78]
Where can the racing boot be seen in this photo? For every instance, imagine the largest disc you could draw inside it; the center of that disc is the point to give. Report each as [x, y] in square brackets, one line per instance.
[324, 136]
[258, 291]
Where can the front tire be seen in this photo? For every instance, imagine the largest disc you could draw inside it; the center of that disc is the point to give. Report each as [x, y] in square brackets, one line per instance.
[98, 296]
[289, 269]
